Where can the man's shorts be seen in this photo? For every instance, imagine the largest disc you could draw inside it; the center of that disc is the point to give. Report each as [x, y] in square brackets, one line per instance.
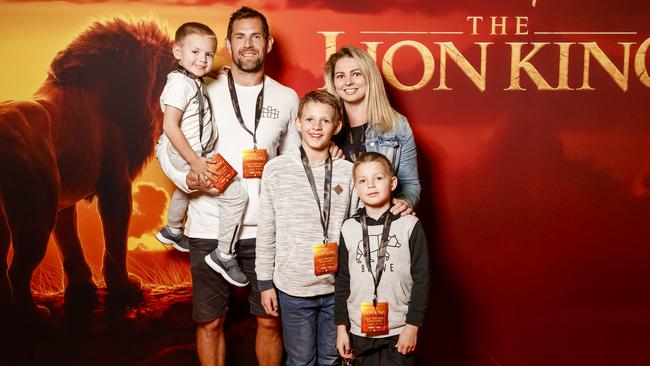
[210, 290]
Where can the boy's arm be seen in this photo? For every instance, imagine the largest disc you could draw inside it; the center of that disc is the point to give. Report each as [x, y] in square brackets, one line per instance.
[420, 274]
[172, 127]
[265, 243]
[342, 286]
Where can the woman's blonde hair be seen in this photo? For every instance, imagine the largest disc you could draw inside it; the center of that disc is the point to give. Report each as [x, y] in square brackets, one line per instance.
[380, 113]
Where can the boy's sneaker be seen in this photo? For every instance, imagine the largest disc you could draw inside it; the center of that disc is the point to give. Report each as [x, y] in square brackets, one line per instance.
[183, 245]
[228, 268]
[179, 241]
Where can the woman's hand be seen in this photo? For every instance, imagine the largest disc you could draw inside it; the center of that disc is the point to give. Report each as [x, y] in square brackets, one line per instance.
[336, 152]
[214, 73]
[401, 207]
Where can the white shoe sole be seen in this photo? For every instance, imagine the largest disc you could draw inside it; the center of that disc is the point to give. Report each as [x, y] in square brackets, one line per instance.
[180, 248]
[164, 240]
[222, 272]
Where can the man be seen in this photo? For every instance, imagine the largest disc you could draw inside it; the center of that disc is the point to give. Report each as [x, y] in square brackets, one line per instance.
[254, 117]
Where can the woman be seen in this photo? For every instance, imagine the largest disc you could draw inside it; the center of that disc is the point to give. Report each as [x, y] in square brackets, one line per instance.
[371, 124]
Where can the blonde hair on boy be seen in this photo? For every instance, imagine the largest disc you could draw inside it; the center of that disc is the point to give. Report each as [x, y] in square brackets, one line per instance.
[372, 157]
[190, 28]
[323, 97]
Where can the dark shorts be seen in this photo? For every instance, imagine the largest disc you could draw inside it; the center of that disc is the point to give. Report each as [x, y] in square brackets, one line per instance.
[379, 351]
[210, 291]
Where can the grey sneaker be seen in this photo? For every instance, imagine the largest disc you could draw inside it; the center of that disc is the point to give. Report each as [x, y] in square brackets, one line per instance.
[179, 241]
[228, 268]
[183, 245]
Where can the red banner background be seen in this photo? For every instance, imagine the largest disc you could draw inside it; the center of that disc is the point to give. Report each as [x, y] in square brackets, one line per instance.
[536, 202]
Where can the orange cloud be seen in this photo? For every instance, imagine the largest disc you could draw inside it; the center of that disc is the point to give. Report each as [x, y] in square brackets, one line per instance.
[150, 203]
[149, 208]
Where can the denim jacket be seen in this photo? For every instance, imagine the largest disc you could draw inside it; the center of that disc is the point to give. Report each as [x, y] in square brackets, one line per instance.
[398, 146]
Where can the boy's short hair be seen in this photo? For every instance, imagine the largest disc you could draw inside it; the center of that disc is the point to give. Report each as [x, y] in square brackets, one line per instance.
[190, 28]
[323, 97]
[372, 157]
[246, 13]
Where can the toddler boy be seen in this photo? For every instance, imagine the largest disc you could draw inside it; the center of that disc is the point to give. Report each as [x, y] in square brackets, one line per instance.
[189, 137]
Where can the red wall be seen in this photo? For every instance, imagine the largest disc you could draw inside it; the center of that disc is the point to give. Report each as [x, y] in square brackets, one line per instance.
[536, 202]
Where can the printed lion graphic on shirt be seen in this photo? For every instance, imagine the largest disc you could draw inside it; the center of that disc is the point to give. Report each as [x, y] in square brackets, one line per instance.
[374, 247]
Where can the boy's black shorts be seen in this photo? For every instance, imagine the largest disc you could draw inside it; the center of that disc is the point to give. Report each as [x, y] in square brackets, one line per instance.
[379, 351]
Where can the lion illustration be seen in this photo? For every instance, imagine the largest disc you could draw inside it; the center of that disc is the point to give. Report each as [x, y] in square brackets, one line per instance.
[89, 130]
[375, 241]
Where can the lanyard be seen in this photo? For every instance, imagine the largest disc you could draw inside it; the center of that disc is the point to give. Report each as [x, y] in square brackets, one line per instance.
[259, 104]
[381, 251]
[200, 95]
[327, 190]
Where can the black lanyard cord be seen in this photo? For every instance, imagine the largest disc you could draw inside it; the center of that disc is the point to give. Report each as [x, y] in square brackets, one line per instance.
[201, 96]
[381, 251]
[259, 105]
[324, 212]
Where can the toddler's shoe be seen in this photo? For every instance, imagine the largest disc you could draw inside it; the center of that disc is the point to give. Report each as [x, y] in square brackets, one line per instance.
[179, 241]
[228, 268]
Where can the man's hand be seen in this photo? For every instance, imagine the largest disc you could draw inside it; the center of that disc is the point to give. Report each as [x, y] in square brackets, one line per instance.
[269, 301]
[401, 207]
[206, 186]
[343, 341]
[407, 339]
[214, 73]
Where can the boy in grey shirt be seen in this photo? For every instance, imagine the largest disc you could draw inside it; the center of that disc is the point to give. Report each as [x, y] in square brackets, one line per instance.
[305, 197]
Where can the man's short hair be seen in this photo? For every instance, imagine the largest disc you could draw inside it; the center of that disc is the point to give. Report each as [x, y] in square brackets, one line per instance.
[373, 157]
[323, 97]
[246, 13]
[193, 28]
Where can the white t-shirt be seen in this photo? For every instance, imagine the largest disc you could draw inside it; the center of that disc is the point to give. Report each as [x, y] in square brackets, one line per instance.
[182, 92]
[276, 133]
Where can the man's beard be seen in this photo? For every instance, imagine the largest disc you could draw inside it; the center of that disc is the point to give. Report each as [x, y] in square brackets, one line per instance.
[249, 67]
